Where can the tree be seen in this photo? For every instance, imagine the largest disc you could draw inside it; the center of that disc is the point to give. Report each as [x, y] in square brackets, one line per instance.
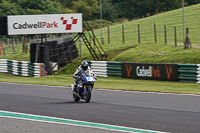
[172, 4]
[66, 3]
[138, 8]
[8, 8]
[112, 9]
[109, 11]
[192, 2]
[40, 6]
[88, 7]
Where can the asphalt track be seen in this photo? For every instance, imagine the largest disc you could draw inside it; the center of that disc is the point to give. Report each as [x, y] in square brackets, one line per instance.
[153, 111]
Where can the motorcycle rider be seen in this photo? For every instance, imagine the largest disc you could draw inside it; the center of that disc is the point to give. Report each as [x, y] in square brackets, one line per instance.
[83, 68]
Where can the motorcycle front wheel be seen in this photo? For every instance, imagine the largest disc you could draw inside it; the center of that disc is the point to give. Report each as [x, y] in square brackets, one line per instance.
[87, 95]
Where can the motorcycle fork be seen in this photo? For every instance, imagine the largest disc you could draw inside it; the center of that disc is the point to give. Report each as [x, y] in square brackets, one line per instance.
[85, 89]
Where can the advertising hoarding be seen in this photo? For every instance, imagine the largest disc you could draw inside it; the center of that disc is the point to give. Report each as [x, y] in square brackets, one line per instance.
[150, 71]
[43, 24]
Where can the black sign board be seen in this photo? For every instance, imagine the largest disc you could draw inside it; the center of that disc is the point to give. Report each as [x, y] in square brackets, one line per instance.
[3, 23]
[150, 71]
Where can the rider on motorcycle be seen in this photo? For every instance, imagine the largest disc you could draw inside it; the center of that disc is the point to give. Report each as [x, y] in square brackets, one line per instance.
[83, 68]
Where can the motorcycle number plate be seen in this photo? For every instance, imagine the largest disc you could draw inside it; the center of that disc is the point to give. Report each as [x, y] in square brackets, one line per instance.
[89, 79]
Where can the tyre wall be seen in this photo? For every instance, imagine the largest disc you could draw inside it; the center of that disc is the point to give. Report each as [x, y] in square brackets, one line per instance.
[63, 50]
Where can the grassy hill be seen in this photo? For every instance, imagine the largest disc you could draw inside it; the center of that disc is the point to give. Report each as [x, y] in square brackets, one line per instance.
[171, 19]
[148, 51]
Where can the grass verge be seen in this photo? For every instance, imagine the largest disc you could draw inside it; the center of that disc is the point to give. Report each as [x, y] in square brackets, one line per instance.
[111, 83]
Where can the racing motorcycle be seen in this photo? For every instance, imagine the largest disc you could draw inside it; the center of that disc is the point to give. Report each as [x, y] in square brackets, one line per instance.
[84, 88]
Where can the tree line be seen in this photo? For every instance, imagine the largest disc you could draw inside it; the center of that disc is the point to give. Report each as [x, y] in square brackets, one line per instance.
[112, 10]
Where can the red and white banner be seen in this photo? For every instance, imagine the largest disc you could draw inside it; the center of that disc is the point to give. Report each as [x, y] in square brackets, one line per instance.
[42, 24]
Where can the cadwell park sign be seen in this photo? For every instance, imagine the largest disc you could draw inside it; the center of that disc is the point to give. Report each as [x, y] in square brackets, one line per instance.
[43, 24]
[150, 71]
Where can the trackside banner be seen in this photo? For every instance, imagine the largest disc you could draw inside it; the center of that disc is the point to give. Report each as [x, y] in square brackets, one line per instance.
[42, 24]
[150, 71]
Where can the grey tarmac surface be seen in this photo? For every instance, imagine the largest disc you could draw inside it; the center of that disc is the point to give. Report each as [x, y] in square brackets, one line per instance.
[154, 111]
[9, 125]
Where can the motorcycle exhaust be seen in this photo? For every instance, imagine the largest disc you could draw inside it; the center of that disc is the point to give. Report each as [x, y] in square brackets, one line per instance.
[72, 86]
[77, 94]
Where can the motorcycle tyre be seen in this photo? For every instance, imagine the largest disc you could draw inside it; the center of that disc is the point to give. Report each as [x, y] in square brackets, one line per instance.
[88, 95]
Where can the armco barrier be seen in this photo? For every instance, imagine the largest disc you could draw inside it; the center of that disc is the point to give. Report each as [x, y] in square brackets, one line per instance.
[114, 69]
[99, 68]
[189, 73]
[105, 68]
[22, 68]
[3, 65]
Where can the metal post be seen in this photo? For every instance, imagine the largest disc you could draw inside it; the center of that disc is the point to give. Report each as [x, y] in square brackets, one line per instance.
[4, 53]
[36, 53]
[165, 32]
[155, 36]
[81, 54]
[138, 33]
[175, 38]
[123, 38]
[42, 40]
[183, 22]
[108, 35]
[102, 42]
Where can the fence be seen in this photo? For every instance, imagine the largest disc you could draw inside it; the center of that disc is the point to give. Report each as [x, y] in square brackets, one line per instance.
[22, 68]
[14, 46]
[121, 33]
[147, 33]
[188, 73]
[11, 46]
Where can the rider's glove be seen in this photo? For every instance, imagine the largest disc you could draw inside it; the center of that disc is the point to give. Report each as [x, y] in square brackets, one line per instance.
[78, 77]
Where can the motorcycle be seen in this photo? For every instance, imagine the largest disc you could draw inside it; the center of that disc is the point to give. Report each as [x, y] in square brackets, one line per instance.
[84, 88]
